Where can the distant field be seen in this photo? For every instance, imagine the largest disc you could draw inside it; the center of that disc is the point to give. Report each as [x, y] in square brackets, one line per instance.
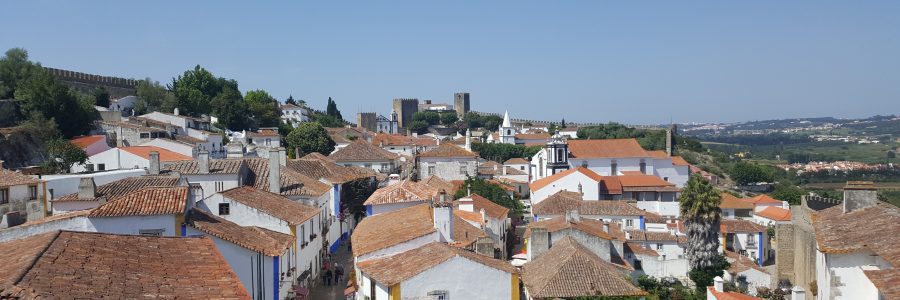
[868, 153]
[839, 185]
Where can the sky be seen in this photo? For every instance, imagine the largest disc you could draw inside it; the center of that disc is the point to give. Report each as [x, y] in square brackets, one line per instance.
[634, 62]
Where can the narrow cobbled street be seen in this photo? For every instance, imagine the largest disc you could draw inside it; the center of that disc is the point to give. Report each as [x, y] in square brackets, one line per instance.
[336, 290]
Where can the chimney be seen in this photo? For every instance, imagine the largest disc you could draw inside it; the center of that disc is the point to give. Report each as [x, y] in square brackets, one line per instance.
[282, 156]
[606, 227]
[1, 164]
[154, 162]
[573, 216]
[274, 171]
[538, 243]
[87, 189]
[443, 216]
[719, 284]
[176, 111]
[798, 293]
[203, 162]
[859, 195]
[468, 140]
[485, 246]
[466, 204]
[298, 153]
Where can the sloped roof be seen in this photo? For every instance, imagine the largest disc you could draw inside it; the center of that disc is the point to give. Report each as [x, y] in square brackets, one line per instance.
[589, 226]
[730, 295]
[541, 183]
[405, 191]
[774, 213]
[533, 136]
[732, 202]
[362, 151]
[146, 201]
[448, 150]
[273, 204]
[564, 201]
[657, 153]
[402, 140]
[464, 233]
[293, 183]
[491, 209]
[11, 178]
[263, 132]
[216, 166]
[740, 226]
[165, 155]
[679, 161]
[639, 249]
[662, 236]
[439, 184]
[123, 186]
[569, 270]
[763, 199]
[116, 267]
[316, 166]
[84, 141]
[391, 228]
[516, 161]
[628, 181]
[609, 148]
[402, 266]
[254, 238]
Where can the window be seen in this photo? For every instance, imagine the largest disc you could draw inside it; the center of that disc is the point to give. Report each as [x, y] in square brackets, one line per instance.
[224, 209]
[384, 167]
[32, 192]
[430, 170]
[303, 233]
[101, 167]
[584, 163]
[658, 246]
[559, 155]
[145, 135]
[4, 196]
[220, 186]
[368, 166]
[643, 167]
[666, 179]
[629, 223]
[151, 232]
[613, 168]
[462, 170]
[522, 168]
[438, 295]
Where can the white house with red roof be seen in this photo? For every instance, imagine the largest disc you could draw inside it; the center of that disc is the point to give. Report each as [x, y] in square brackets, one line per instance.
[609, 157]
[133, 157]
[91, 144]
[651, 193]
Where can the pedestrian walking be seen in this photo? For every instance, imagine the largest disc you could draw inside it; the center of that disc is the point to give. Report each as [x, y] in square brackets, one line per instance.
[328, 276]
[338, 273]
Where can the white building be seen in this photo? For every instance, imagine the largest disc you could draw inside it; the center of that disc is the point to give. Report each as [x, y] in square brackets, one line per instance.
[156, 211]
[746, 273]
[91, 144]
[650, 192]
[386, 125]
[597, 236]
[294, 115]
[857, 246]
[746, 238]
[90, 195]
[559, 204]
[609, 157]
[490, 217]
[403, 144]
[133, 157]
[402, 195]
[177, 146]
[21, 196]
[361, 153]
[449, 162]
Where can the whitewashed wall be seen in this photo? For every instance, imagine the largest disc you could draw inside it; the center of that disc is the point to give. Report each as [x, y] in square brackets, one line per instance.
[73, 224]
[462, 279]
[448, 168]
[134, 224]
[244, 262]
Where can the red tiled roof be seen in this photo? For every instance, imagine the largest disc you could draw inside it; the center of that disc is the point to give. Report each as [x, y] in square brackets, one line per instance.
[361, 150]
[405, 191]
[569, 270]
[610, 148]
[639, 249]
[491, 209]
[658, 153]
[402, 140]
[732, 202]
[293, 183]
[391, 228]
[565, 201]
[589, 226]
[775, 213]
[679, 161]
[164, 154]
[740, 226]
[123, 186]
[273, 204]
[763, 199]
[643, 181]
[730, 295]
[448, 150]
[84, 141]
[216, 166]
[402, 266]
[260, 240]
[11, 178]
[115, 267]
[541, 183]
[146, 202]
[516, 161]
[272, 132]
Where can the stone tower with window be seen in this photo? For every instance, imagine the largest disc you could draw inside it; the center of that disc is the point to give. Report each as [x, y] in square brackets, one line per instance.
[557, 153]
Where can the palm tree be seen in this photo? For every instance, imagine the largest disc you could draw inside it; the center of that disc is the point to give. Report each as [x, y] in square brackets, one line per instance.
[700, 211]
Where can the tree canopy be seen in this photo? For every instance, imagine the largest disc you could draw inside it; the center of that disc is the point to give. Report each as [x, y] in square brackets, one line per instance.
[62, 154]
[263, 109]
[311, 137]
[502, 152]
[744, 173]
[332, 110]
[474, 120]
[152, 96]
[699, 205]
[488, 190]
[290, 100]
[429, 117]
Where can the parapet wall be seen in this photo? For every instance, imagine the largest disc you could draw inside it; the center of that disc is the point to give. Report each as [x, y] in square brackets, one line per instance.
[116, 86]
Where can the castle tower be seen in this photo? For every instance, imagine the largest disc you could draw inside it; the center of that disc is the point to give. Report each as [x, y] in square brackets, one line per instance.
[461, 104]
[670, 139]
[506, 131]
[405, 108]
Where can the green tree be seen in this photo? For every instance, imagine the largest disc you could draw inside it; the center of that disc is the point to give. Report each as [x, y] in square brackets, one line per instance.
[195, 89]
[14, 68]
[40, 92]
[263, 108]
[788, 192]
[552, 128]
[492, 122]
[429, 117]
[231, 110]
[152, 96]
[704, 276]
[448, 119]
[101, 97]
[311, 137]
[563, 123]
[489, 190]
[420, 127]
[332, 110]
[699, 206]
[62, 154]
[290, 100]
[746, 173]
[891, 154]
[327, 121]
[502, 152]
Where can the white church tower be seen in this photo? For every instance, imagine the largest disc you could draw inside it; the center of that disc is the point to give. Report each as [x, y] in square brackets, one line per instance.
[506, 131]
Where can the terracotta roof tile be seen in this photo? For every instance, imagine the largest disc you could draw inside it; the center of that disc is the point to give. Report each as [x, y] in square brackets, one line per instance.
[402, 140]
[12, 178]
[516, 161]
[464, 233]
[402, 266]
[763, 199]
[263, 132]
[84, 141]
[318, 166]
[391, 228]
[216, 166]
[491, 209]
[293, 183]
[124, 186]
[568, 270]
[658, 154]
[730, 295]
[273, 204]
[740, 263]
[642, 180]
[732, 202]
[448, 150]
[654, 236]
[541, 183]
[589, 226]
[679, 161]
[740, 226]
[146, 201]
[440, 184]
[266, 242]
[639, 249]
[564, 201]
[116, 266]
[774, 213]
[165, 155]
[405, 191]
[362, 151]
[610, 148]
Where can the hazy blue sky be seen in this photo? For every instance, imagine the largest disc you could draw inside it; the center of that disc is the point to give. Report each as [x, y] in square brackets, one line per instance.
[626, 61]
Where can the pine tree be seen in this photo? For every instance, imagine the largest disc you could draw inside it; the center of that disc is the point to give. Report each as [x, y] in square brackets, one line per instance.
[290, 100]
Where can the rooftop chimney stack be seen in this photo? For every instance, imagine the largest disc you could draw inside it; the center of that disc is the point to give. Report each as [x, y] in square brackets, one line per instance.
[176, 111]
[282, 155]
[203, 162]
[798, 293]
[87, 189]
[274, 171]
[484, 246]
[298, 153]
[538, 243]
[859, 195]
[154, 163]
[573, 216]
[443, 217]
[719, 284]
